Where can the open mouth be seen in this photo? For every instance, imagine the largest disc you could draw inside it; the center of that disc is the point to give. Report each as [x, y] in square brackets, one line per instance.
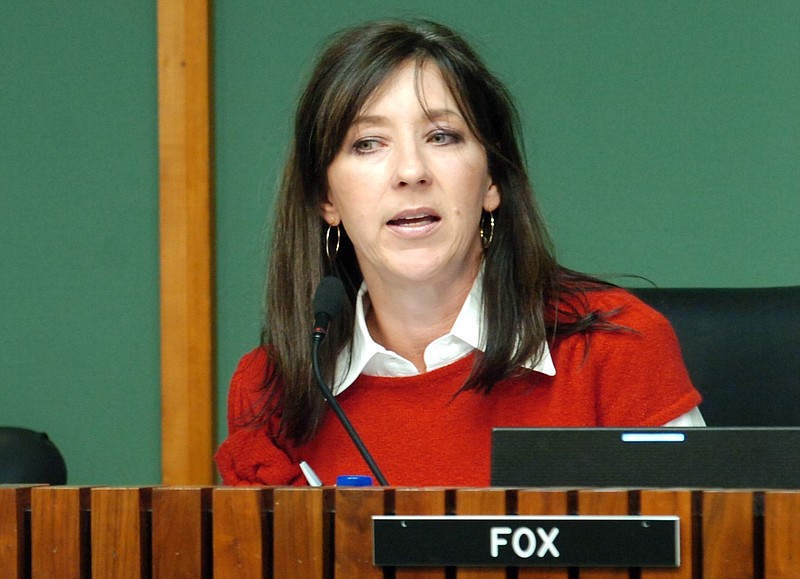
[414, 220]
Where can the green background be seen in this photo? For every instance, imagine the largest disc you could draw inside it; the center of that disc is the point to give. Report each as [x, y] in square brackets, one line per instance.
[663, 139]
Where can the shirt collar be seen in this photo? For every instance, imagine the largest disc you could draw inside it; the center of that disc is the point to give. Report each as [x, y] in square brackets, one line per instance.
[368, 354]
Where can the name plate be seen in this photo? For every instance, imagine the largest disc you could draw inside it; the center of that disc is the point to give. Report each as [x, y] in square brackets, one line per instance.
[522, 541]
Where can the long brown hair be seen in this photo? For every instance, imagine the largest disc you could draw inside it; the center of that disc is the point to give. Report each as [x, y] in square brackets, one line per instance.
[522, 281]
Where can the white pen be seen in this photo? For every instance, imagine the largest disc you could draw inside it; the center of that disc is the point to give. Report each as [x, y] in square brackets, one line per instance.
[311, 476]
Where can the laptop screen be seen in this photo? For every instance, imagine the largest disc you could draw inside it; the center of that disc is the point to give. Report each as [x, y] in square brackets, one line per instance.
[706, 457]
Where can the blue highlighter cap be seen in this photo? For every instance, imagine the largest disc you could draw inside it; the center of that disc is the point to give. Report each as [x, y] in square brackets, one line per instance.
[353, 480]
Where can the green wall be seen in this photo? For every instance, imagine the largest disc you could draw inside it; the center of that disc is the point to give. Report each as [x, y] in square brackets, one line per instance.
[79, 354]
[663, 139]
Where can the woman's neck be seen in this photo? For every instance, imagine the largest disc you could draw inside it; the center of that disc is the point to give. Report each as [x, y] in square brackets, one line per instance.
[407, 319]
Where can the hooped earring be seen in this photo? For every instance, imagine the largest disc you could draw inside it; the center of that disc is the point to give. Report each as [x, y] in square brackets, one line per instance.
[332, 258]
[486, 238]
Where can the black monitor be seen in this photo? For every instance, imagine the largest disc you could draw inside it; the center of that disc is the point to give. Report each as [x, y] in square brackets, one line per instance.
[704, 457]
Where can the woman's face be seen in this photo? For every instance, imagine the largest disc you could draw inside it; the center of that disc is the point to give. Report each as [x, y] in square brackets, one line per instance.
[409, 185]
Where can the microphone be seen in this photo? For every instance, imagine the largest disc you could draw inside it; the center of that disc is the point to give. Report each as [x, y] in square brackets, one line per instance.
[328, 300]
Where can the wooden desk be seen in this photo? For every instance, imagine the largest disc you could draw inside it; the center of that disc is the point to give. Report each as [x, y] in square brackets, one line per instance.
[293, 533]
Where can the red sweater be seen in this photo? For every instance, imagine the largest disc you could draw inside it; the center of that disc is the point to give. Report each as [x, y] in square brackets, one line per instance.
[421, 436]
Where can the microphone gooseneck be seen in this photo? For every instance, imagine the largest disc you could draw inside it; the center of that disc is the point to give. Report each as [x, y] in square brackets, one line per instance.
[328, 300]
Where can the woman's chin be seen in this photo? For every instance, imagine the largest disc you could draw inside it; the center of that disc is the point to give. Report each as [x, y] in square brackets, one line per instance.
[430, 271]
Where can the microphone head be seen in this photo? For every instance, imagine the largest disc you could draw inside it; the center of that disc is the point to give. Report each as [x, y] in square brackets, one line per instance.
[329, 297]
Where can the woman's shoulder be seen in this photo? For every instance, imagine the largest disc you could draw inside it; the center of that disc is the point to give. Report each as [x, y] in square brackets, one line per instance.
[252, 371]
[252, 363]
[616, 306]
[630, 359]
[252, 388]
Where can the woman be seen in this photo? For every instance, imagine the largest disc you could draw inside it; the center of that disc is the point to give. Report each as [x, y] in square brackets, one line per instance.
[407, 181]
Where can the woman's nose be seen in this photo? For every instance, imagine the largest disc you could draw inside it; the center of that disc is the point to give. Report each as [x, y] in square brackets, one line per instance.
[411, 169]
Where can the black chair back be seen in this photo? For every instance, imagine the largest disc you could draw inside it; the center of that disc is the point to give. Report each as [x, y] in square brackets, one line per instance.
[27, 456]
[742, 349]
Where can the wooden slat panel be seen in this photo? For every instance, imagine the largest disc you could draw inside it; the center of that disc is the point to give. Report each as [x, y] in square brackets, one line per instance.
[119, 537]
[480, 502]
[677, 503]
[781, 535]
[13, 545]
[430, 501]
[727, 535]
[241, 550]
[186, 240]
[178, 529]
[301, 527]
[532, 502]
[353, 531]
[601, 502]
[59, 547]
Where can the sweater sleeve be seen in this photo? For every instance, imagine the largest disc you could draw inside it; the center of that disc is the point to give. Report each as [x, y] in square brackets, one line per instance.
[640, 374]
[252, 454]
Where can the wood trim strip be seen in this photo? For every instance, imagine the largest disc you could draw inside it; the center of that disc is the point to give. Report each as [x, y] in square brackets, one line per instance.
[728, 548]
[672, 502]
[59, 539]
[120, 540]
[603, 502]
[478, 501]
[533, 502]
[242, 532]
[183, 551]
[782, 535]
[354, 509]
[422, 501]
[13, 550]
[303, 516]
[186, 242]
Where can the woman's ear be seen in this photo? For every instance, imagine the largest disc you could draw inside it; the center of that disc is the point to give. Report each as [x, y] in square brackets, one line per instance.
[491, 199]
[329, 213]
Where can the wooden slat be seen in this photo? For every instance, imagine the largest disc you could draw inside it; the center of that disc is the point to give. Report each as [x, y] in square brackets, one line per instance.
[677, 503]
[241, 550]
[431, 501]
[480, 502]
[727, 535]
[186, 241]
[353, 531]
[13, 545]
[179, 549]
[301, 527]
[601, 502]
[781, 535]
[59, 543]
[119, 537]
[532, 502]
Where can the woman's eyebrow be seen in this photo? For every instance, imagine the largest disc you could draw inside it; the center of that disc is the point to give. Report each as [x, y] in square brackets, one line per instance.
[434, 114]
[443, 113]
[371, 120]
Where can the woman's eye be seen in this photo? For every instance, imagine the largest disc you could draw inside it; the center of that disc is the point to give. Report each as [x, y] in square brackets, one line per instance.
[365, 145]
[445, 137]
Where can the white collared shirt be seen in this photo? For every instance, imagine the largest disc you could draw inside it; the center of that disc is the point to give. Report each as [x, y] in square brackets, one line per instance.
[372, 359]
